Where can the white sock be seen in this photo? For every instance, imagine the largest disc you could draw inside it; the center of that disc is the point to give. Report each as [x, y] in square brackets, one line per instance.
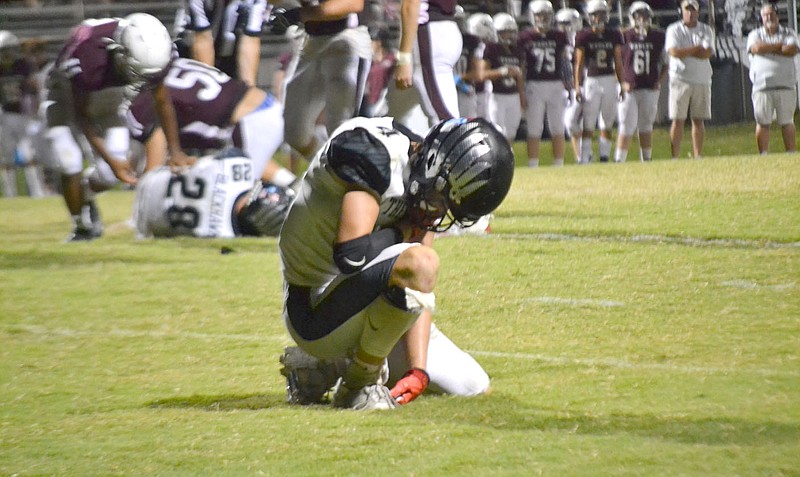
[605, 147]
[558, 162]
[533, 162]
[34, 181]
[586, 150]
[621, 155]
[646, 154]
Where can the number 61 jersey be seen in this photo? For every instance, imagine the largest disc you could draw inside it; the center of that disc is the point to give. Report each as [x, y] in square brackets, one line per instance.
[197, 202]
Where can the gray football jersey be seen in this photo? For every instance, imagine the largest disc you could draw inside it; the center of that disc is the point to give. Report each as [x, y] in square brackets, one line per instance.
[364, 152]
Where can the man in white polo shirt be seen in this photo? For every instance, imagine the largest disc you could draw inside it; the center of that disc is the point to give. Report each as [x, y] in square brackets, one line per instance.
[772, 49]
[690, 44]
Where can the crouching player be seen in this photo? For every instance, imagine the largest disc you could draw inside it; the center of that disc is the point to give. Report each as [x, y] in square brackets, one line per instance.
[359, 270]
[214, 198]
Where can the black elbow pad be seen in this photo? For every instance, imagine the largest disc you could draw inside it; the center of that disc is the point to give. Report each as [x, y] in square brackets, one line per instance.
[353, 255]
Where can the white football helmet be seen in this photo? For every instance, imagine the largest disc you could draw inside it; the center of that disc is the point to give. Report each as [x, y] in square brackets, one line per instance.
[506, 28]
[540, 14]
[481, 25]
[597, 13]
[8, 40]
[568, 20]
[640, 15]
[142, 46]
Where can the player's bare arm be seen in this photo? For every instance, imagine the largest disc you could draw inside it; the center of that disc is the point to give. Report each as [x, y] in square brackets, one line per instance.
[169, 122]
[409, 17]
[120, 166]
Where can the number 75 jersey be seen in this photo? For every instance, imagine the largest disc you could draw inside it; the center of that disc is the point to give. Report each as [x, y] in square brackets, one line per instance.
[197, 202]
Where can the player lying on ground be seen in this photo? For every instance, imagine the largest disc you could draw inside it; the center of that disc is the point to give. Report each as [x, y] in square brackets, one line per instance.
[213, 198]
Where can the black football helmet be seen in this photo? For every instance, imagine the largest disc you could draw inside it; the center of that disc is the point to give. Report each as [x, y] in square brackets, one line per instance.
[461, 172]
[267, 206]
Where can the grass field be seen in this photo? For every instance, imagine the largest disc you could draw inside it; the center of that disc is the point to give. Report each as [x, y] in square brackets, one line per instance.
[636, 319]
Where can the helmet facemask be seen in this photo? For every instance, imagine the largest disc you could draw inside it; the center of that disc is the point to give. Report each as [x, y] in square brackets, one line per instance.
[461, 172]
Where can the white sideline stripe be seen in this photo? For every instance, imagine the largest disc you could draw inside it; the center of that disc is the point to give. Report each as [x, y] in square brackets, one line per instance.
[285, 340]
[576, 301]
[621, 364]
[748, 285]
[693, 241]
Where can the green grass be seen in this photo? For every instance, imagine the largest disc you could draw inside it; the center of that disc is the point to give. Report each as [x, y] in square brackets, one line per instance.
[636, 319]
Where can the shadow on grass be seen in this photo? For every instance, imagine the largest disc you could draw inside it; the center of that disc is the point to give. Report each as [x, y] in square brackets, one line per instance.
[80, 255]
[505, 413]
[223, 403]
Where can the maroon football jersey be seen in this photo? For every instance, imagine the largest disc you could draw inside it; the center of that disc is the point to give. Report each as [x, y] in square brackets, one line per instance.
[641, 58]
[544, 54]
[499, 55]
[440, 9]
[85, 59]
[204, 99]
[598, 50]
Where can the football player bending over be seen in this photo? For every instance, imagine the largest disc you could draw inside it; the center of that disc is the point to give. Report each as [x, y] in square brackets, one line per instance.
[359, 270]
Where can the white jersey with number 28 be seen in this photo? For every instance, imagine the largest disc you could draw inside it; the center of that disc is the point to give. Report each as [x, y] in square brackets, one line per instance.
[197, 202]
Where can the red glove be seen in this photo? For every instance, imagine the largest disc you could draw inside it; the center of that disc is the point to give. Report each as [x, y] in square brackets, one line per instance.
[411, 385]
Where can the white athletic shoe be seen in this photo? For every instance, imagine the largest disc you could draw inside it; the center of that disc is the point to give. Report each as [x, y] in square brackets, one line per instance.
[309, 379]
[368, 398]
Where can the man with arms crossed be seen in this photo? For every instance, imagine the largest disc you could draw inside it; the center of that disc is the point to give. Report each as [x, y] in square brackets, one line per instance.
[690, 44]
[772, 49]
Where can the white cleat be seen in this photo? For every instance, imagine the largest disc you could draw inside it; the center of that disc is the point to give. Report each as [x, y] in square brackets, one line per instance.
[368, 398]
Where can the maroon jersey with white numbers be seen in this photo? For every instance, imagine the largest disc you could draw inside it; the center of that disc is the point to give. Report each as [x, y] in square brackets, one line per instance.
[544, 54]
[86, 61]
[641, 58]
[204, 99]
[499, 55]
[598, 50]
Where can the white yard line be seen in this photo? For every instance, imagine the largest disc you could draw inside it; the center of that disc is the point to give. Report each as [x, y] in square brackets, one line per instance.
[748, 285]
[622, 364]
[576, 301]
[285, 341]
[693, 241]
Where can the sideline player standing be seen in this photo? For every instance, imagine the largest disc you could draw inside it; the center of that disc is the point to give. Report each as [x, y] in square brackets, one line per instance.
[18, 90]
[508, 83]
[568, 20]
[643, 71]
[598, 73]
[359, 270]
[545, 66]
[772, 49]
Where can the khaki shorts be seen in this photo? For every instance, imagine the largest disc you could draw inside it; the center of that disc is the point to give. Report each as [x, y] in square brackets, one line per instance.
[774, 104]
[689, 99]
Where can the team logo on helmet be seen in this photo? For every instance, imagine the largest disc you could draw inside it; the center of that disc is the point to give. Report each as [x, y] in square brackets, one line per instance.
[463, 172]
